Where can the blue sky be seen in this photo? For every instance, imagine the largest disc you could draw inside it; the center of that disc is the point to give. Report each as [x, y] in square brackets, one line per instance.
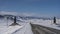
[37, 7]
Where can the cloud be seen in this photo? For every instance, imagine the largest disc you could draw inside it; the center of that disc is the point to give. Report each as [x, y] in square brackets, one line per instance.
[28, 14]
[23, 14]
[16, 13]
[8, 13]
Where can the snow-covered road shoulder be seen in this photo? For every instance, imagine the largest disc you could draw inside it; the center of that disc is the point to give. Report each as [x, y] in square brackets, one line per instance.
[12, 29]
[47, 24]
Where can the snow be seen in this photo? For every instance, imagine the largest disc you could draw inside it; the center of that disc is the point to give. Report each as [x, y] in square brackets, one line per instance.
[2, 29]
[25, 28]
[12, 29]
[46, 23]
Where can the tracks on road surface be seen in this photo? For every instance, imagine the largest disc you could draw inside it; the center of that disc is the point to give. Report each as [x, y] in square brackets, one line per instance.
[38, 29]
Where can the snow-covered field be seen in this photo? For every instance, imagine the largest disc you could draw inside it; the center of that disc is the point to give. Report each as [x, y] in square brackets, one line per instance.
[25, 27]
[46, 23]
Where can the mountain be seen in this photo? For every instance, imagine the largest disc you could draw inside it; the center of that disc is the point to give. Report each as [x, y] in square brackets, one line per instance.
[23, 17]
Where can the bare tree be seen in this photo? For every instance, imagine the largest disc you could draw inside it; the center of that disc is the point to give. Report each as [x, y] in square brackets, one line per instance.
[13, 24]
[54, 20]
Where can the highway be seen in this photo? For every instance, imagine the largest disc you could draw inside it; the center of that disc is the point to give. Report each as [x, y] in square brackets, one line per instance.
[38, 29]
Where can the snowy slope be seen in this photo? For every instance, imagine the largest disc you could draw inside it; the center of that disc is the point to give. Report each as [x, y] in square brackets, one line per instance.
[12, 29]
[25, 28]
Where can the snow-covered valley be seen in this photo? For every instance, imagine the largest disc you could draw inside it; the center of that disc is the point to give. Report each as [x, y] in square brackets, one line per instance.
[24, 26]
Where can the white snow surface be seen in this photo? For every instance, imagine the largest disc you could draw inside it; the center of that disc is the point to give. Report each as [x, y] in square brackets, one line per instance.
[25, 28]
[46, 23]
[12, 29]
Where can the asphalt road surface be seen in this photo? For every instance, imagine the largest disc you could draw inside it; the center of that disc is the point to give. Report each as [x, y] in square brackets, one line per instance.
[38, 29]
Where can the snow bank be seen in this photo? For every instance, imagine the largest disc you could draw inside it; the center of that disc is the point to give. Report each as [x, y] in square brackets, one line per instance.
[25, 30]
[12, 29]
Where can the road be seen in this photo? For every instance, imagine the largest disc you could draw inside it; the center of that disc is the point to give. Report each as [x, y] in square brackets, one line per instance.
[38, 29]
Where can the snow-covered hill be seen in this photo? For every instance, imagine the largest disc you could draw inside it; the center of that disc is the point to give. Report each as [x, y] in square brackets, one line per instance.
[22, 28]
[24, 21]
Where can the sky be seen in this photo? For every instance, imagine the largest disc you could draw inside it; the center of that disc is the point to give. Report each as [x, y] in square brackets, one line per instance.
[32, 7]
